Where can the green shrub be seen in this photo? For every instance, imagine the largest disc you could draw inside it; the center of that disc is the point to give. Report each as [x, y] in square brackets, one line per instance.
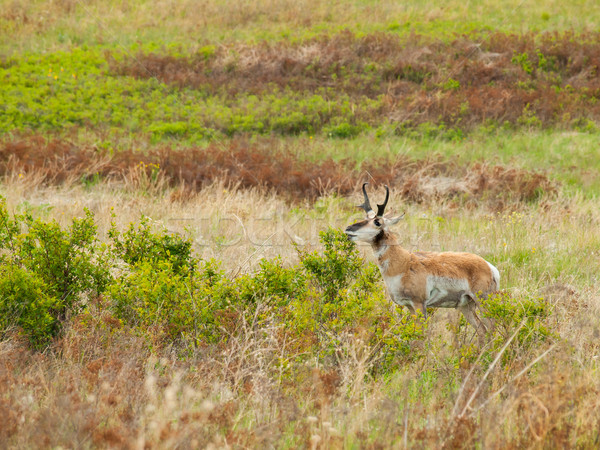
[25, 303]
[329, 298]
[157, 299]
[177, 129]
[522, 60]
[450, 85]
[173, 305]
[507, 312]
[343, 130]
[170, 297]
[194, 305]
[46, 270]
[140, 244]
[272, 283]
[71, 262]
[335, 268]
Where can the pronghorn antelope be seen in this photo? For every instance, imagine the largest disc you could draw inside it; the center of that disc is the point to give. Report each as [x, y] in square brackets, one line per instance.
[425, 279]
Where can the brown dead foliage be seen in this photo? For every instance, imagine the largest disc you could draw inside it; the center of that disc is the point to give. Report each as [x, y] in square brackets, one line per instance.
[244, 165]
[152, 398]
[529, 79]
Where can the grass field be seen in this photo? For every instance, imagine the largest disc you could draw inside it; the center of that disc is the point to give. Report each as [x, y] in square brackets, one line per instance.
[175, 176]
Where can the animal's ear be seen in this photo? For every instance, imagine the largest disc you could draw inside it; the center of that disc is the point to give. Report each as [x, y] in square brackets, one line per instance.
[394, 220]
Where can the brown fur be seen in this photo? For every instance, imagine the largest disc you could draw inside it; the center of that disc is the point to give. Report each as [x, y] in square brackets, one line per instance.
[457, 265]
[416, 267]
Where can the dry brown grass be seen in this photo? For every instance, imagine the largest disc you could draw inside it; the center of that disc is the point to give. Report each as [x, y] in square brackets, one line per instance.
[245, 165]
[101, 386]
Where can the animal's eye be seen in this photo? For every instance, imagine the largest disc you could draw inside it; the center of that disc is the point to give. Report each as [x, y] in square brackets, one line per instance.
[377, 223]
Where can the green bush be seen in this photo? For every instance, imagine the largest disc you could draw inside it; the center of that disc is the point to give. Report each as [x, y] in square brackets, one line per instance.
[167, 295]
[505, 313]
[26, 304]
[140, 244]
[71, 262]
[158, 299]
[330, 297]
[336, 267]
[522, 60]
[272, 284]
[47, 270]
[508, 312]
[194, 305]
[344, 130]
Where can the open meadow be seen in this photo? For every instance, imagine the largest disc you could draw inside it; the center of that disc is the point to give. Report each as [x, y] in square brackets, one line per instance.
[176, 177]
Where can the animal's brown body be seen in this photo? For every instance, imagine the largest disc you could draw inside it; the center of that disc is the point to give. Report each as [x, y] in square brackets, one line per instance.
[422, 280]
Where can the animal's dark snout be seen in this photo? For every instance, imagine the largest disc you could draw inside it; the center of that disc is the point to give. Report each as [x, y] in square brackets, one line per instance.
[351, 229]
[355, 226]
[349, 232]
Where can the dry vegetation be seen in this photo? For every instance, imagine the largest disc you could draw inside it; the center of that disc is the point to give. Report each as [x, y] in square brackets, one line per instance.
[247, 165]
[103, 385]
[532, 79]
[41, 25]
[118, 114]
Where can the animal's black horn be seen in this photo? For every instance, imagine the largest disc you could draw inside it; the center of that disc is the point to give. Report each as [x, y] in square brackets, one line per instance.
[381, 208]
[366, 205]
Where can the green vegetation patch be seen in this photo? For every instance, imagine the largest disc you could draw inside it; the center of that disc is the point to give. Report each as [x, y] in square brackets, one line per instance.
[152, 283]
[45, 270]
[67, 91]
[340, 86]
[426, 85]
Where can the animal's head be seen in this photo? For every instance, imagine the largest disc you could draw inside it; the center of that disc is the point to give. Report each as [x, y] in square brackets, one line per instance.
[374, 226]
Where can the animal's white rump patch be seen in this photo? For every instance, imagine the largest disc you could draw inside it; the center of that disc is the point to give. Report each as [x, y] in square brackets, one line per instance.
[495, 275]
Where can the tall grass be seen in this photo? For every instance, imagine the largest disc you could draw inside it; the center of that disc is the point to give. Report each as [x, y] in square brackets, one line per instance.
[102, 384]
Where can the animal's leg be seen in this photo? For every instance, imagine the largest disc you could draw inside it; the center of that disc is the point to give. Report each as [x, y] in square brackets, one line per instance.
[489, 324]
[423, 309]
[468, 309]
[420, 306]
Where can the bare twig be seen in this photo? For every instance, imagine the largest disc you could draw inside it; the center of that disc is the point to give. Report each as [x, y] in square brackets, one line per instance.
[513, 379]
[464, 383]
[492, 365]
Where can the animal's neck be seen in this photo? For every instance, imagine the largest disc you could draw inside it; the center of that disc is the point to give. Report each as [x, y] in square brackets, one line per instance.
[391, 257]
